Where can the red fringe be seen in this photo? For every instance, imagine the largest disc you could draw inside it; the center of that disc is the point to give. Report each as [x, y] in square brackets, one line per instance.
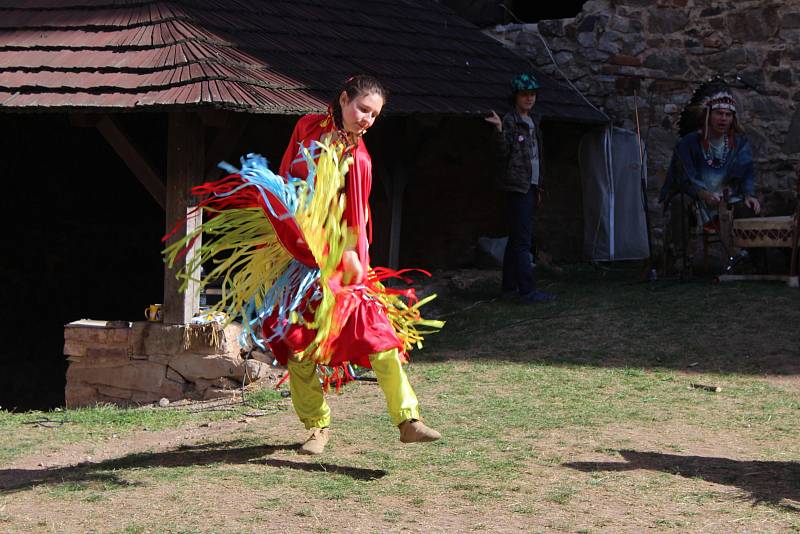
[339, 376]
[283, 379]
[384, 273]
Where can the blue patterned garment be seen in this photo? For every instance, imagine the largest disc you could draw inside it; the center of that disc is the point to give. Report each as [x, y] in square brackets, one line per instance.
[690, 171]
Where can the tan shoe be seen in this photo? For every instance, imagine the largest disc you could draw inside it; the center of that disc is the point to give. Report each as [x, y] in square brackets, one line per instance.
[414, 431]
[315, 444]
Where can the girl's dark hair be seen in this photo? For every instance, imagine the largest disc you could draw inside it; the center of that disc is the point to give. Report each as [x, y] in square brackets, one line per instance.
[356, 86]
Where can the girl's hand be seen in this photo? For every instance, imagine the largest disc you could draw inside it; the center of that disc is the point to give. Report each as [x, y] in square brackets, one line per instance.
[352, 270]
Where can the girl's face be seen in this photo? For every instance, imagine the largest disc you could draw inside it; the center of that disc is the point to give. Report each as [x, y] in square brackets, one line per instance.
[359, 113]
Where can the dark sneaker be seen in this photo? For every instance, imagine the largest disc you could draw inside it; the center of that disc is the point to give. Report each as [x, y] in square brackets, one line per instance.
[537, 295]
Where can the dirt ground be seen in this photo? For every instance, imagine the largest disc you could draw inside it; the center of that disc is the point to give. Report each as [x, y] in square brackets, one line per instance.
[243, 474]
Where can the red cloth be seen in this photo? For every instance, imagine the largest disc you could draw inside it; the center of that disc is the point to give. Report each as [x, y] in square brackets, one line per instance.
[367, 329]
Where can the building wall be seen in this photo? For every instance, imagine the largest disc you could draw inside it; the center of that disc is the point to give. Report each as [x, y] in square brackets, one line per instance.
[661, 51]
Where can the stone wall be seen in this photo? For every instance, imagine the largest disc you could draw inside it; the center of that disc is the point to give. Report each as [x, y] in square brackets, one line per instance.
[141, 363]
[662, 50]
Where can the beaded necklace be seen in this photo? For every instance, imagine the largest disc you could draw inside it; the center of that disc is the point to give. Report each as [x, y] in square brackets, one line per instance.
[712, 156]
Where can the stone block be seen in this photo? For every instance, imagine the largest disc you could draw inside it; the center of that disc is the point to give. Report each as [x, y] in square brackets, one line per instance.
[74, 347]
[667, 20]
[111, 392]
[96, 335]
[161, 339]
[107, 353]
[791, 144]
[208, 366]
[753, 24]
[175, 376]
[623, 59]
[256, 370]
[77, 395]
[551, 27]
[136, 375]
[587, 39]
[782, 77]
[791, 21]
[790, 36]
[610, 42]
[711, 12]
[670, 61]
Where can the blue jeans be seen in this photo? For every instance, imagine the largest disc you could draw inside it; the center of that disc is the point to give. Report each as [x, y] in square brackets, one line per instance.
[517, 269]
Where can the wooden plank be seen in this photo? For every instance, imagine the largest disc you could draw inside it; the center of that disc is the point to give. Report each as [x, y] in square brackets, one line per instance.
[133, 158]
[185, 166]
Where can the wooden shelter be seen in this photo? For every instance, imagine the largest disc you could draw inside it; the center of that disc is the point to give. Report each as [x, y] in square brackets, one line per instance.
[209, 64]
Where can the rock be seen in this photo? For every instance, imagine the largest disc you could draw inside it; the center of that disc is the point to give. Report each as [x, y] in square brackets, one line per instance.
[667, 20]
[77, 395]
[163, 402]
[208, 366]
[791, 144]
[623, 59]
[753, 24]
[551, 27]
[790, 21]
[670, 61]
[783, 77]
[256, 370]
[136, 375]
[731, 59]
[587, 39]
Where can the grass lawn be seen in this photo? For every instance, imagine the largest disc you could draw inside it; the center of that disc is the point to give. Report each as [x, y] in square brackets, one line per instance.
[572, 416]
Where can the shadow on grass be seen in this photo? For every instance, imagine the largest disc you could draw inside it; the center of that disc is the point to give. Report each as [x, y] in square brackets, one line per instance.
[764, 481]
[607, 318]
[104, 473]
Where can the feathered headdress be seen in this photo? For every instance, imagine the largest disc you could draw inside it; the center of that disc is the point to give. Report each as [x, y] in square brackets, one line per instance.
[713, 94]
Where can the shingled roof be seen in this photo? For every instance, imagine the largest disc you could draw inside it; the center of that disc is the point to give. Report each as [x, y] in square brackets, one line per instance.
[263, 56]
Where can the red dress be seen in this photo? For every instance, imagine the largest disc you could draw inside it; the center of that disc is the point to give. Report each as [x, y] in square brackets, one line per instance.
[367, 329]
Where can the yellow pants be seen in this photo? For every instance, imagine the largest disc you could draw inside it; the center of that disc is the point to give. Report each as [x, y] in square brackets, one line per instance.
[309, 402]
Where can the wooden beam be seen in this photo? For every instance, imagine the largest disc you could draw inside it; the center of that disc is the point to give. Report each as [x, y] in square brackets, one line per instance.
[133, 158]
[185, 167]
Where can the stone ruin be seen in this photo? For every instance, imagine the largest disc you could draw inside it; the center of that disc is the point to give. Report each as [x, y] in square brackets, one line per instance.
[130, 364]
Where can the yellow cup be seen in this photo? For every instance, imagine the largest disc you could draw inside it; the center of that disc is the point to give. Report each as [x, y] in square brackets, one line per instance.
[153, 313]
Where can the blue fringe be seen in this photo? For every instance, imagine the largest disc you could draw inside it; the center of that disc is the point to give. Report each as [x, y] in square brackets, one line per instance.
[288, 292]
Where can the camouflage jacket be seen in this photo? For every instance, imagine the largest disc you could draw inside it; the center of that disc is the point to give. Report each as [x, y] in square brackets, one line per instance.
[515, 147]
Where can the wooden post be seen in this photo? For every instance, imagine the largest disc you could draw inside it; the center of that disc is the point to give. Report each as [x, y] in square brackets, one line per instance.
[185, 168]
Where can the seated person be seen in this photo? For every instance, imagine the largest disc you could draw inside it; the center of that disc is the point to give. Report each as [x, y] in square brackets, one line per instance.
[713, 157]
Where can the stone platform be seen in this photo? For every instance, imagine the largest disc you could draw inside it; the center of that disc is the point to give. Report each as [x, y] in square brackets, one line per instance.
[137, 363]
